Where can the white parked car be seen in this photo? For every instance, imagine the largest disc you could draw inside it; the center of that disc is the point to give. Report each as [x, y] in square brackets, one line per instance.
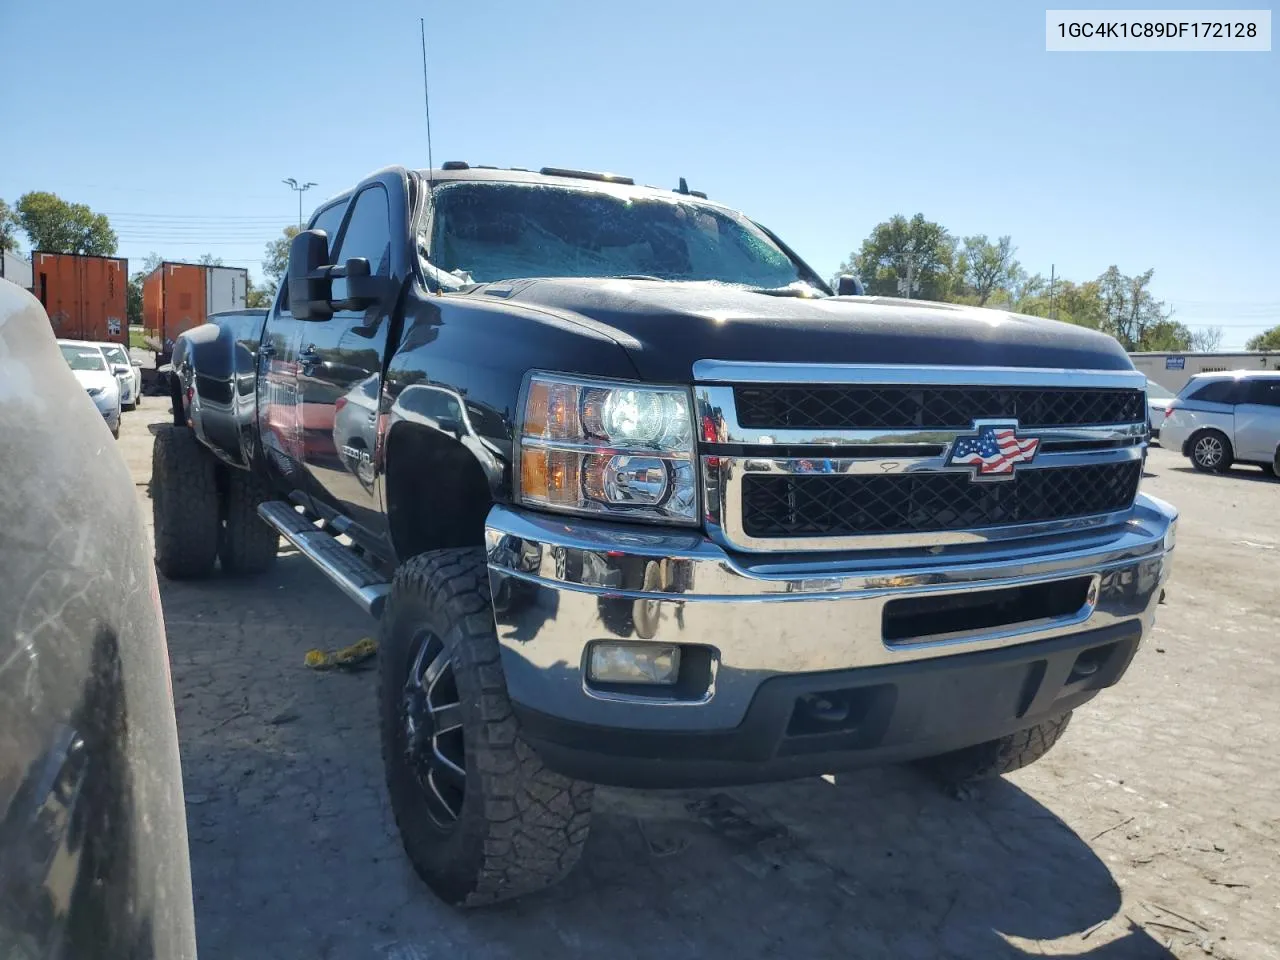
[1158, 399]
[122, 369]
[90, 367]
[118, 357]
[1223, 418]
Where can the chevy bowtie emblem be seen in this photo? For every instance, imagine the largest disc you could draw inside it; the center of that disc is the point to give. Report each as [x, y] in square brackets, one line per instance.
[993, 450]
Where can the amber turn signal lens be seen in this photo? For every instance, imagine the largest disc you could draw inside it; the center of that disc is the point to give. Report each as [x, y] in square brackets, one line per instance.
[551, 411]
[549, 476]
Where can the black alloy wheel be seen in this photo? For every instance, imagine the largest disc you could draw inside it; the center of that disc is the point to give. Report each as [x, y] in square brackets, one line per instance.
[432, 719]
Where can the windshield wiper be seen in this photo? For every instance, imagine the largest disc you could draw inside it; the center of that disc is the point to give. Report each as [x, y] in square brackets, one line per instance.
[803, 293]
[639, 276]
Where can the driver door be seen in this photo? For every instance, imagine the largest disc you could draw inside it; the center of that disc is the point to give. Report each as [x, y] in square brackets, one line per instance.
[280, 420]
[340, 374]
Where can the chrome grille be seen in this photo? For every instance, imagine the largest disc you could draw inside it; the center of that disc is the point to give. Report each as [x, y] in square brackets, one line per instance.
[857, 504]
[852, 406]
[834, 457]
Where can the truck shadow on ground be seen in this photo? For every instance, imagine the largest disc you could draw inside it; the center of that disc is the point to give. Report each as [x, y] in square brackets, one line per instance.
[294, 852]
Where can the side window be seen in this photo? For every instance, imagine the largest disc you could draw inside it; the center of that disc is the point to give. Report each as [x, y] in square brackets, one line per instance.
[1265, 392]
[368, 233]
[1217, 391]
[330, 221]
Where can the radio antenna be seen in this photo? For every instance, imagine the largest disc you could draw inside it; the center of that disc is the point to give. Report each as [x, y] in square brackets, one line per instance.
[426, 102]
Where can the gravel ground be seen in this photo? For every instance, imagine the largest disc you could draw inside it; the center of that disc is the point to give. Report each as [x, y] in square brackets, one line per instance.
[1152, 830]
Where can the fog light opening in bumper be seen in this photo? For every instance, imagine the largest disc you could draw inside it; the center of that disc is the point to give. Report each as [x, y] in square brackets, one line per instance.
[651, 664]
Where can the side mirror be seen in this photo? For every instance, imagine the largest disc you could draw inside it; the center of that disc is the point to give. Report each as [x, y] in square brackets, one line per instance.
[309, 282]
[362, 289]
[452, 425]
[847, 286]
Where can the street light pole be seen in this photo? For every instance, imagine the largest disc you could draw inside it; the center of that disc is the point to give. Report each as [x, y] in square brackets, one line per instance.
[301, 188]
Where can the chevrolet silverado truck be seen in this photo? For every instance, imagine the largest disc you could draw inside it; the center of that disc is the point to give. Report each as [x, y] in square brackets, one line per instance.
[639, 499]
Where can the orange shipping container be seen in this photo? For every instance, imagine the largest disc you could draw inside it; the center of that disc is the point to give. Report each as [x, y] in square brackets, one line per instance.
[86, 297]
[173, 301]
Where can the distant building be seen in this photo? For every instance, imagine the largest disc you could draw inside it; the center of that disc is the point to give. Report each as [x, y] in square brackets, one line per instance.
[15, 269]
[1173, 370]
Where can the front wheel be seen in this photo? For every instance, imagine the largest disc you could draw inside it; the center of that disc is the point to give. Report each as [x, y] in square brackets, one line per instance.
[480, 817]
[184, 504]
[1211, 452]
[247, 544]
[997, 757]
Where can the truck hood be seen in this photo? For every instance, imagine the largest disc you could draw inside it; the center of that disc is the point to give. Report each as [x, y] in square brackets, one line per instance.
[665, 327]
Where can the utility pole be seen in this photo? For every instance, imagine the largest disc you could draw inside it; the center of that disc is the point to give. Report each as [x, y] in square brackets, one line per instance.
[905, 287]
[301, 188]
[1053, 304]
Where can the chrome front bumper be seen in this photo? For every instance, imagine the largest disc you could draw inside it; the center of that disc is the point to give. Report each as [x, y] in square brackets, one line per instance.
[561, 583]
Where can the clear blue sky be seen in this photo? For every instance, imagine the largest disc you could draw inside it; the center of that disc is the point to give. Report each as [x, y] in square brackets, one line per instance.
[819, 119]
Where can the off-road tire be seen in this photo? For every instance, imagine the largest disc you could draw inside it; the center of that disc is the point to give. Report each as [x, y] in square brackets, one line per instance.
[184, 504]
[1220, 466]
[520, 827]
[247, 545]
[997, 757]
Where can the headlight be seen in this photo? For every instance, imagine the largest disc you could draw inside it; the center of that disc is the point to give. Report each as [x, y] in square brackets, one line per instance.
[608, 448]
[96, 391]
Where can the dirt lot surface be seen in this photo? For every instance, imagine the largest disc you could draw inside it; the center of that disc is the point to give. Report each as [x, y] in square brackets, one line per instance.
[1152, 830]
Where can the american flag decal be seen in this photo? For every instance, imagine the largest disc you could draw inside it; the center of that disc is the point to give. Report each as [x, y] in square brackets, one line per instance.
[993, 451]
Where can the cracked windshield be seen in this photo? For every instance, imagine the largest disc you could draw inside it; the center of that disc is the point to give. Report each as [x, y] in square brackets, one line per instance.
[484, 232]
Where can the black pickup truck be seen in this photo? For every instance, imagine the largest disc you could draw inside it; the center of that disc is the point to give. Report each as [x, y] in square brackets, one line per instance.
[639, 499]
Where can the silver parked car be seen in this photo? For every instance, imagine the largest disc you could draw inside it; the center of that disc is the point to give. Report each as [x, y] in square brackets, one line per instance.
[118, 357]
[1223, 418]
[1158, 399]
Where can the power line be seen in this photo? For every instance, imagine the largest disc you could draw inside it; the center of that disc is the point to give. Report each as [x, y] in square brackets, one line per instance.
[194, 216]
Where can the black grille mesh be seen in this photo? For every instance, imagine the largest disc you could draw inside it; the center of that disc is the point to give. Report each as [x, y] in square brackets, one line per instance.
[878, 407]
[852, 504]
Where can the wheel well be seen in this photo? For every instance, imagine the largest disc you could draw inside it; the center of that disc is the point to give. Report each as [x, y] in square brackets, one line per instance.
[1191, 440]
[175, 394]
[437, 492]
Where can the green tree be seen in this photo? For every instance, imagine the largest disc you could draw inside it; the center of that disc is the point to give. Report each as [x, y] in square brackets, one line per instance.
[275, 260]
[1267, 340]
[256, 296]
[988, 266]
[1166, 336]
[900, 247]
[1130, 312]
[57, 226]
[209, 260]
[1078, 303]
[8, 228]
[133, 300]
